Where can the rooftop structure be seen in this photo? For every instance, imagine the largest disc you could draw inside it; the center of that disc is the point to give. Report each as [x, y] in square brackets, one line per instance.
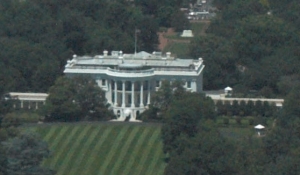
[129, 79]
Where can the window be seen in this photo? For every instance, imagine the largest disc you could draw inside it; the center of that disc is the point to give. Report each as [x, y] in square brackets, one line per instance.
[157, 83]
[103, 82]
[188, 84]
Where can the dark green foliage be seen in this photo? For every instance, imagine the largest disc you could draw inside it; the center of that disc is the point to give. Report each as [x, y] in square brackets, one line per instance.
[25, 155]
[205, 153]
[180, 22]
[282, 144]
[242, 108]
[220, 60]
[37, 37]
[3, 160]
[74, 99]
[238, 120]
[181, 119]
[251, 44]
[251, 121]
[235, 107]
[226, 121]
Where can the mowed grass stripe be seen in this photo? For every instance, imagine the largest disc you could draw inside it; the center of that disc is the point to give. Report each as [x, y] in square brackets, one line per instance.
[85, 152]
[92, 157]
[160, 164]
[148, 153]
[157, 157]
[136, 152]
[93, 161]
[50, 132]
[124, 163]
[58, 139]
[121, 158]
[66, 143]
[43, 130]
[113, 148]
[118, 150]
[141, 153]
[72, 151]
[161, 167]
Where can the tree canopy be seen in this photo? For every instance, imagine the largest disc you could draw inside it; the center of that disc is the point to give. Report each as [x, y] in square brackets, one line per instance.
[25, 154]
[74, 99]
[37, 37]
[251, 44]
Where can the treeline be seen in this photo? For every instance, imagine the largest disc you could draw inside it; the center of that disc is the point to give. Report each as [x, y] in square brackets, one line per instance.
[252, 45]
[38, 36]
[195, 145]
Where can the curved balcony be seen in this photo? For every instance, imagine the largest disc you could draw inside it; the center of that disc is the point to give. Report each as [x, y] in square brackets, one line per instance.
[130, 73]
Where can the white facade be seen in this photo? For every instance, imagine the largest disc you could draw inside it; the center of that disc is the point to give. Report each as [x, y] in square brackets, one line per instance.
[129, 79]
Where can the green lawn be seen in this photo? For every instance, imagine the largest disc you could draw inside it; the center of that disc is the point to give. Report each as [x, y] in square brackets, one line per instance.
[197, 28]
[177, 48]
[110, 148]
[104, 148]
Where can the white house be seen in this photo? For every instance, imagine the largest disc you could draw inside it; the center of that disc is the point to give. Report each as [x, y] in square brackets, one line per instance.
[129, 79]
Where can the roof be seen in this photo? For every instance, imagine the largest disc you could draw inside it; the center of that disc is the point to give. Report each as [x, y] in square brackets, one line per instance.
[259, 126]
[141, 58]
[228, 88]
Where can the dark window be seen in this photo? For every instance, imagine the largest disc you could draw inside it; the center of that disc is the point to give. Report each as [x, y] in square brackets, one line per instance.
[157, 83]
[188, 84]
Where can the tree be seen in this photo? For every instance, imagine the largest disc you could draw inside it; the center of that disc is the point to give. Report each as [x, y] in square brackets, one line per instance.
[3, 160]
[60, 104]
[163, 97]
[91, 99]
[182, 119]
[206, 153]
[282, 143]
[25, 154]
[219, 59]
[74, 99]
[180, 22]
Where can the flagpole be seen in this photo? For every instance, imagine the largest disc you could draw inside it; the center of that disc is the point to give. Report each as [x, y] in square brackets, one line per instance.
[135, 41]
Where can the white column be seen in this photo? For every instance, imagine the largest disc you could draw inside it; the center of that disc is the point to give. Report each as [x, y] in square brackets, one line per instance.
[194, 86]
[123, 93]
[116, 93]
[36, 105]
[148, 99]
[142, 94]
[132, 94]
[22, 104]
[109, 91]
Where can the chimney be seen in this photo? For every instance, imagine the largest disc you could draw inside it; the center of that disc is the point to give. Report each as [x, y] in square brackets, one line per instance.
[120, 54]
[168, 54]
[105, 52]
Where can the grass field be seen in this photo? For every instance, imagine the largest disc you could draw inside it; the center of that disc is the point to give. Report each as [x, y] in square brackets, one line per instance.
[177, 48]
[104, 148]
[110, 148]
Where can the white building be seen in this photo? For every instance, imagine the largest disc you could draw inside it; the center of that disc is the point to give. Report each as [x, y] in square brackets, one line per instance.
[129, 79]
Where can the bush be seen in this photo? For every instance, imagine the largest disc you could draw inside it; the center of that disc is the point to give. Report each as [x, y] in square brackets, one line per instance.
[238, 120]
[17, 118]
[226, 121]
[251, 121]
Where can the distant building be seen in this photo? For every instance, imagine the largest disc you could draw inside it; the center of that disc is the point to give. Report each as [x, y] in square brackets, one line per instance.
[129, 79]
